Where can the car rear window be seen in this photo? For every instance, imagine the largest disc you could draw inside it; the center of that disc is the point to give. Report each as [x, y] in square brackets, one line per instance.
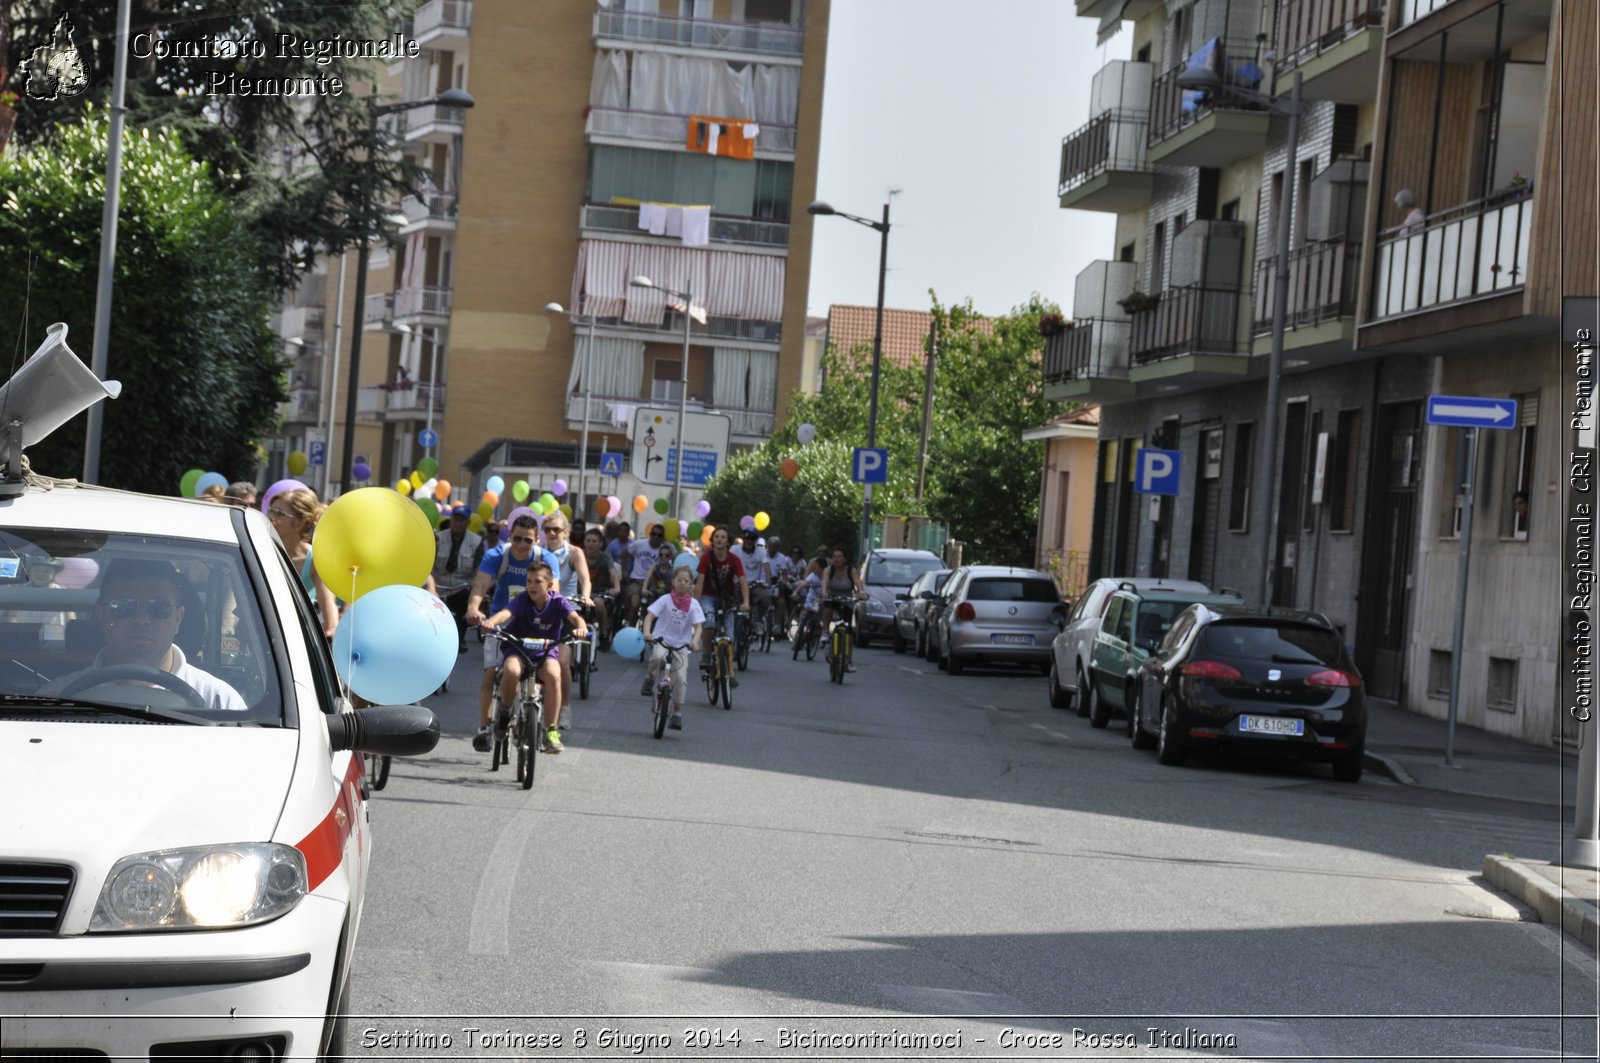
[1013, 590]
[1264, 640]
[898, 571]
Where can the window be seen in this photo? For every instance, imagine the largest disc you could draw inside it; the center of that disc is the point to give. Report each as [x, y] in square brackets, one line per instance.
[1340, 489]
[1502, 691]
[766, 10]
[1124, 628]
[895, 571]
[1126, 254]
[1013, 590]
[1178, 632]
[1438, 673]
[1113, 616]
[664, 382]
[1158, 257]
[1229, 210]
[1452, 488]
[1517, 485]
[1144, 53]
[1256, 641]
[1302, 199]
[1308, 511]
[1239, 493]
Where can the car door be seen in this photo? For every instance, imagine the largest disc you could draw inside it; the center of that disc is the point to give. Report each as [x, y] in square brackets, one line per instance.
[1103, 657]
[943, 605]
[1153, 670]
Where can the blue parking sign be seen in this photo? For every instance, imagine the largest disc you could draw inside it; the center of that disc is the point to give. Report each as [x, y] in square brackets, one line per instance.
[870, 465]
[1156, 472]
[316, 452]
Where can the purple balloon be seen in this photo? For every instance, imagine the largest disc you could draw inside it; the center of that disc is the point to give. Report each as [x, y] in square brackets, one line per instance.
[702, 509]
[277, 489]
[361, 471]
[747, 522]
[559, 488]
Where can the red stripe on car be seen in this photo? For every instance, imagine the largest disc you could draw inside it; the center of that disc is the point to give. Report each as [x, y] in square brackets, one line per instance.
[323, 848]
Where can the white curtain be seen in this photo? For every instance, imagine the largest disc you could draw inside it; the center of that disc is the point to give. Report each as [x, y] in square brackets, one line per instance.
[724, 283]
[746, 286]
[763, 380]
[676, 84]
[729, 371]
[777, 94]
[609, 86]
[618, 366]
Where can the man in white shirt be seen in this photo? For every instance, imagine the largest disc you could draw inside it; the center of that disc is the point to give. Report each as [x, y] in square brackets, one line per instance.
[638, 560]
[757, 570]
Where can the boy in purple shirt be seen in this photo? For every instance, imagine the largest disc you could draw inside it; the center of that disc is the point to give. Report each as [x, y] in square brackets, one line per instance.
[539, 612]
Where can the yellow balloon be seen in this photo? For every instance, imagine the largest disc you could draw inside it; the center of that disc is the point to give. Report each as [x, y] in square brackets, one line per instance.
[475, 524]
[297, 462]
[566, 511]
[372, 538]
[416, 479]
[403, 486]
[762, 520]
[672, 531]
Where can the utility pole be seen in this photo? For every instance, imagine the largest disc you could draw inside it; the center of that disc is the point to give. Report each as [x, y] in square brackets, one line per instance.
[927, 407]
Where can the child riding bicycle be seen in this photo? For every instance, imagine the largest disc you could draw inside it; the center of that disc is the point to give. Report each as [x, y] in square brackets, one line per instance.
[539, 612]
[682, 621]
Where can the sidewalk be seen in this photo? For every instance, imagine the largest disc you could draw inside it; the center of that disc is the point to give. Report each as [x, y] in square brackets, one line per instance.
[1409, 748]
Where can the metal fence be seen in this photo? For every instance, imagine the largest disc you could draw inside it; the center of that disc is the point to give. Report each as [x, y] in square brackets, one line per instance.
[1476, 249]
[1322, 284]
[1188, 320]
[764, 38]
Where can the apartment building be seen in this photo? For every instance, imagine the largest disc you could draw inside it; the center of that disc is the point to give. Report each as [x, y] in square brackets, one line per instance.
[1428, 255]
[665, 138]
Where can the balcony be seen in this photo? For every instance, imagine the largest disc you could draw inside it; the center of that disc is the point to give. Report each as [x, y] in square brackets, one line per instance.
[304, 406]
[378, 311]
[616, 411]
[1188, 129]
[435, 123]
[1088, 361]
[433, 213]
[371, 401]
[744, 330]
[1335, 44]
[303, 322]
[1475, 250]
[426, 306]
[605, 218]
[771, 41]
[1319, 326]
[612, 125]
[442, 25]
[412, 401]
[1408, 11]
[1189, 338]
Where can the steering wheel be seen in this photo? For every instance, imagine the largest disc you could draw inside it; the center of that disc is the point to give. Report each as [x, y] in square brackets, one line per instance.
[140, 674]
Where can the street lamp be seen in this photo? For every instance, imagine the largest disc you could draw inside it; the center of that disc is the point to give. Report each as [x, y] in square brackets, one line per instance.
[448, 98]
[588, 394]
[683, 385]
[1204, 79]
[819, 207]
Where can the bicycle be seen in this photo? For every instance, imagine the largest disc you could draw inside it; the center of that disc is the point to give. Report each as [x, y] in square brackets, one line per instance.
[841, 637]
[763, 619]
[741, 640]
[719, 677]
[583, 652]
[607, 602]
[807, 633]
[524, 727]
[377, 771]
[661, 700]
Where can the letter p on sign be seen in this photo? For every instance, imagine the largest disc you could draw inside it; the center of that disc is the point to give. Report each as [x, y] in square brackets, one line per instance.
[870, 465]
[1156, 472]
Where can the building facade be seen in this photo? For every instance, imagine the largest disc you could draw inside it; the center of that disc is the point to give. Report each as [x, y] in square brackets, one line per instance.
[1426, 244]
[652, 138]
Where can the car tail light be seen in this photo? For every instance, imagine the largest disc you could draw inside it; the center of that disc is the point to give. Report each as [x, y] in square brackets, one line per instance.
[965, 611]
[1332, 677]
[1058, 616]
[1209, 670]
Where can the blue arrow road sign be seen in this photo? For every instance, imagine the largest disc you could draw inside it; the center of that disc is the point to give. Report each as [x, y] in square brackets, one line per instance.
[1471, 411]
[1156, 472]
[870, 465]
[611, 464]
[428, 438]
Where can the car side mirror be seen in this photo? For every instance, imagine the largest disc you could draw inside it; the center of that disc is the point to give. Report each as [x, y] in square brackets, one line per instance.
[902, 597]
[388, 730]
[928, 596]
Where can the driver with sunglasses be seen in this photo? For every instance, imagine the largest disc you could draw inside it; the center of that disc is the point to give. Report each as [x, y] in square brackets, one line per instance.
[504, 571]
[139, 612]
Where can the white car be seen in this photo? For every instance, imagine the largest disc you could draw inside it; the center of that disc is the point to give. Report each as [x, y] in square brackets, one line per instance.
[185, 852]
[1071, 650]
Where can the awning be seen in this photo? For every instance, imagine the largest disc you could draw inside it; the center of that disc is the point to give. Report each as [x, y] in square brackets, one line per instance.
[1111, 21]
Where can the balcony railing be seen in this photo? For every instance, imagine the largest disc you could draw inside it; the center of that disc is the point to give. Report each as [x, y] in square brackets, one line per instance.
[434, 302]
[1173, 109]
[302, 321]
[721, 328]
[378, 308]
[1476, 249]
[436, 15]
[724, 230]
[1307, 28]
[438, 115]
[1087, 351]
[1322, 285]
[757, 38]
[673, 128]
[416, 396]
[617, 410]
[304, 404]
[371, 400]
[1408, 11]
[1114, 141]
[1192, 320]
[436, 206]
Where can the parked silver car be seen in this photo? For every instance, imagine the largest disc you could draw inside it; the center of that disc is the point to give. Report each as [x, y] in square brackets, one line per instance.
[888, 573]
[995, 613]
[1071, 650]
[911, 611]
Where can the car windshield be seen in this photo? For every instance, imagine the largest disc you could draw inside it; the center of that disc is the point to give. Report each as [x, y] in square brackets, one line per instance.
[897, 571]
[133, 620]
[1266, 641]
[1013, 590]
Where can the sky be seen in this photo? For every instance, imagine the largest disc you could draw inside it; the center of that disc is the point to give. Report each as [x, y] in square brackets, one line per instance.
[962, 107]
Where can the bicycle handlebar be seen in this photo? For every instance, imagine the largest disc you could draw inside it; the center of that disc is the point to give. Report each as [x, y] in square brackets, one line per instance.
[532, 645]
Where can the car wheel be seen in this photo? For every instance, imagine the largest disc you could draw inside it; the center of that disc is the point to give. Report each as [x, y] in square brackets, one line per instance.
[899, 641]
[944, 660]
[1169, 747]
[337, 1038]
[1058, 697]
[1128, 696]
[1348, 768]
[930, 652]
[1099, 715]
[920, 647]
[1141, 738]
[957, 664]
[1081, 696]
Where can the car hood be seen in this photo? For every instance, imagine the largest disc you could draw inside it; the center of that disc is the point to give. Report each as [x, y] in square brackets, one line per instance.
[86, 793]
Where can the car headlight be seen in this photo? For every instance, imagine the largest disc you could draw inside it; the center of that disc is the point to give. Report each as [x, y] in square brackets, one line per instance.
[876, 607]
[210, 886]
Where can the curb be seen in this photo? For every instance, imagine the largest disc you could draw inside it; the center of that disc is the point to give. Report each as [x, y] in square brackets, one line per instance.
[1555, 905]
[1385, 766]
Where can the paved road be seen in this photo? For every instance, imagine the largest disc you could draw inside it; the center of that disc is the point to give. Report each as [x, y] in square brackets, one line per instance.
[920, 845]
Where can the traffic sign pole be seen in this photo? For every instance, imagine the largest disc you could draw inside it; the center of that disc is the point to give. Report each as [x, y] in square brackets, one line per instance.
[1470, 440]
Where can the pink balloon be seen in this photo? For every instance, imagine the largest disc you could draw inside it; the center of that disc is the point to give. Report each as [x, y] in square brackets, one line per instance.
[277, 489]
[683, 528]
[747, 522]
[559, 488]
[616, 506]
[77, 572]
[702, 509]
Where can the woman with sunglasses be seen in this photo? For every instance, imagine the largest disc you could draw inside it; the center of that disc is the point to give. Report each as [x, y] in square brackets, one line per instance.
[572, 578]
[294, 516]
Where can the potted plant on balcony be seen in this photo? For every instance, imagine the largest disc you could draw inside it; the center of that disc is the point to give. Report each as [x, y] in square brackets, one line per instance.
[1053, 325]
[1136, 301]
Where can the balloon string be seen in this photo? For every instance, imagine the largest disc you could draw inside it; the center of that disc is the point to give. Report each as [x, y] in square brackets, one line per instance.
[350, 618]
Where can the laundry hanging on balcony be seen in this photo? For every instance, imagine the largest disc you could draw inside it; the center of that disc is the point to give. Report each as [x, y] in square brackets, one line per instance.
[690, 223]
[747, 287]
[729, 138]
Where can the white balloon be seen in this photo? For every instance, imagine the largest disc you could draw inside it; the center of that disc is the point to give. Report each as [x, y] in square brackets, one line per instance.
[807, 433]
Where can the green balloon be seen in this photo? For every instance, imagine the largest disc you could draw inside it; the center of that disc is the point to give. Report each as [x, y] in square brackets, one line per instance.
[429, 510]
[186, 485]
[661, 506]
[427, 467]
[548, 501]
[695, 528]
[520, 490]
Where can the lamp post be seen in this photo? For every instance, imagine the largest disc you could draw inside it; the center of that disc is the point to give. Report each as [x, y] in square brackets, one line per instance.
[588, 395]
[1204, 79]
[448, 98]
[820, 207]
[683, 386]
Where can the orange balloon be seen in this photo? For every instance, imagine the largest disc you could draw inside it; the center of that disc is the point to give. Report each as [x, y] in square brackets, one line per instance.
[705, 535]
[602, 505]
[491, 498]
[789, 468]
[441, 490]
[640, 503]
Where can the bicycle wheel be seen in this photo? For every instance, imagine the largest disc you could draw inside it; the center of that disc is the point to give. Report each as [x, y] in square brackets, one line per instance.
[835, 665]
[726, 652]
[582, 654]
[713, 684]
[663, 706]
[798, 637]
[813, 637]
[377, 771]
[766, 631]
[741, 650]
[497, 725]
[531, 712]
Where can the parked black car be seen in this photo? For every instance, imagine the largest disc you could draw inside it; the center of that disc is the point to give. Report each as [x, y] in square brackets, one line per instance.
[1276, 681]
[910, 609]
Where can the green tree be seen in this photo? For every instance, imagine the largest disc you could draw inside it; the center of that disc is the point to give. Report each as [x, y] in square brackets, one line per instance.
[983, 479]
[341, 183]
[189, 341]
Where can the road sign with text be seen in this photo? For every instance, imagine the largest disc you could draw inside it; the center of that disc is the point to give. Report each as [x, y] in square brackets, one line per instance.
[655, 445]
[1471, 411]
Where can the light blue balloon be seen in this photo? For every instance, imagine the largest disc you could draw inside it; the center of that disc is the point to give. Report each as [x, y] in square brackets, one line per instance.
[629, 643]
[210, 479]
[686, 558]
[395, 645]
[496, 484]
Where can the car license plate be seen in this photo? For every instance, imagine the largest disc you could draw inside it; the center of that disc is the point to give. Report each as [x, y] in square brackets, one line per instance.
[1011, 640]
[1272, 725]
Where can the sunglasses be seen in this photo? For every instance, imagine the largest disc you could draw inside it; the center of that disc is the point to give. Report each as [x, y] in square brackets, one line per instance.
[281, 514]
[128, 608]
[523, 539]
[555, 531]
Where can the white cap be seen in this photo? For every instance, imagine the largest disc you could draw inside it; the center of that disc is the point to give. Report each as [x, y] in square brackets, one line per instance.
[761, 542]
